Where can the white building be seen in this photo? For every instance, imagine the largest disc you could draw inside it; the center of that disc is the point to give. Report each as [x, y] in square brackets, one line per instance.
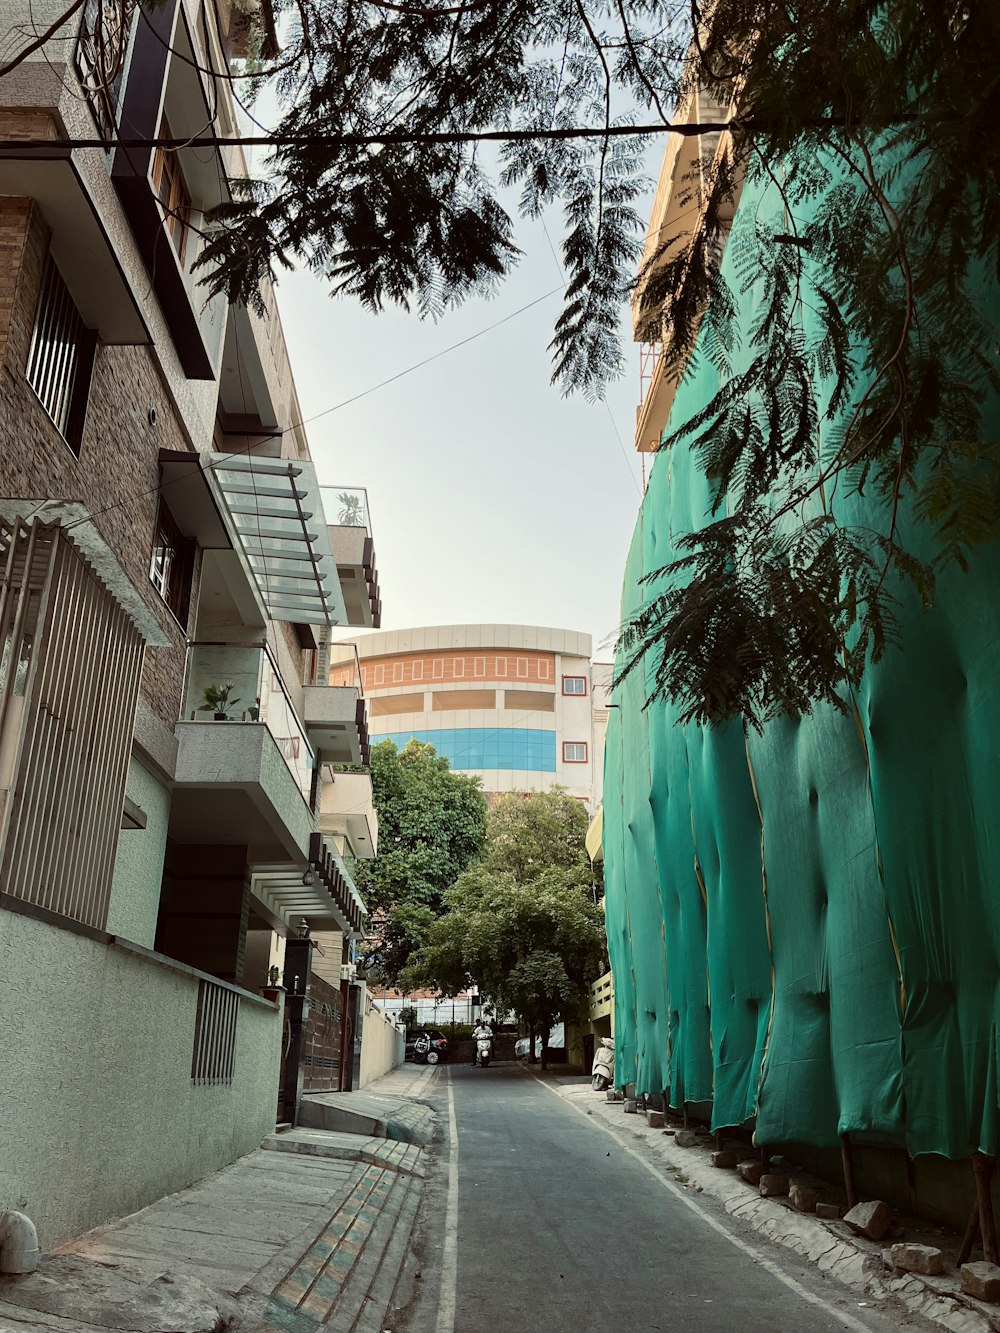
[512, 704]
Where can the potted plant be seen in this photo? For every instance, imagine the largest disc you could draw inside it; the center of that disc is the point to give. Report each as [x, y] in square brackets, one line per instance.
[351, 510]
[218, 701]
[273, 988]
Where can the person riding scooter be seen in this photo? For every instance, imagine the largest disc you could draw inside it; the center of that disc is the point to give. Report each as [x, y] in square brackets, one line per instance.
[481, 1033]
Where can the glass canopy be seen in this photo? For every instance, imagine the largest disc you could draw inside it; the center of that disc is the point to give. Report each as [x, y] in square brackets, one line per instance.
[275, 507]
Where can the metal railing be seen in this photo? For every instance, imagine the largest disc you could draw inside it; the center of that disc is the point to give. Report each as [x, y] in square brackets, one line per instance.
[346, 507]
[258, 694]
[214, 1058]
[344, 666]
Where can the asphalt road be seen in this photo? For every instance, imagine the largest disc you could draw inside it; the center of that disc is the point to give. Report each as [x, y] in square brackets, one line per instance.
[559, 1230]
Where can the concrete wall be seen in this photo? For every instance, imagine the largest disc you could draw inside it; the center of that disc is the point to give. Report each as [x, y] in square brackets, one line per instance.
[135, 889]
[100, 1116]
[383, 1045]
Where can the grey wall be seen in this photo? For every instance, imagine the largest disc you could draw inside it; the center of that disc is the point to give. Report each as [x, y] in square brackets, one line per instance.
[135, 889]
[99, 1114]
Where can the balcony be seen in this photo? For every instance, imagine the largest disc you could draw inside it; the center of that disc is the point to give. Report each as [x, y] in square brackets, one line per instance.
[349, 525]
[346, 809]
[257, 696]
[57, 178]
[335, 713]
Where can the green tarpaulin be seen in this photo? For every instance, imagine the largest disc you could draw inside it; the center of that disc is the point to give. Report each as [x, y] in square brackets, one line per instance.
[803, 925]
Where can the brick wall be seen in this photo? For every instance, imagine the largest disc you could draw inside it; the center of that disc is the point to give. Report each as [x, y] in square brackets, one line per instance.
[117, 472]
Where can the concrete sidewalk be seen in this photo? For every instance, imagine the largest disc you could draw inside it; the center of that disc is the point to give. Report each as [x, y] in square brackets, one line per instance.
[309, 1232]
[387, 1109]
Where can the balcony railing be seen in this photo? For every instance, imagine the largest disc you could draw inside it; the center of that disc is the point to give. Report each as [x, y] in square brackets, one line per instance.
[257, 695]
[345, 666]
[346, 507]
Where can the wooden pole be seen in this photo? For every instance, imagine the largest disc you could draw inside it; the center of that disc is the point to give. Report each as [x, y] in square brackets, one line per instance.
[848, 1165]
[983, 1168]
[969, 1239]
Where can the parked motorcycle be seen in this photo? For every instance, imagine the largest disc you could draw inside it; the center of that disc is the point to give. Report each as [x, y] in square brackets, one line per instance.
[602, 1074]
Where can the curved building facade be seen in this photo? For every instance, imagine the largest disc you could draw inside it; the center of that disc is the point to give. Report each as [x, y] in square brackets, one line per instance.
[510, 703]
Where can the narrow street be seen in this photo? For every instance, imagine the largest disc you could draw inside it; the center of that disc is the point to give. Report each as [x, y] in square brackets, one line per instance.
[560, 1228]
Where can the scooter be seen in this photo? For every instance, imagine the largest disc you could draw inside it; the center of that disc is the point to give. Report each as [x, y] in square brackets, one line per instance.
[602, 1075]
[484, 1051]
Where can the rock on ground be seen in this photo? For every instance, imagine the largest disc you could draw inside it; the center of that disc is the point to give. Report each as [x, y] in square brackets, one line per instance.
[828, 1210]
[751, 1171]
[725, 1159]
[871, 1220]
[982, 1280]
[686, 1138]
[802, 1197]
[773, 1186]
[924, 1259]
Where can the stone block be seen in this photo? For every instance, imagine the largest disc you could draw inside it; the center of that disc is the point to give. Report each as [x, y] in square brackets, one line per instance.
[830, 1211]
[982, 1280]
[631, 1105]
[725, 1160]
[802, 1197]
[773, 1186]
[686, 1138]
[655, 1119]
[871, 1220]
[924, 1259]
[751, 1171]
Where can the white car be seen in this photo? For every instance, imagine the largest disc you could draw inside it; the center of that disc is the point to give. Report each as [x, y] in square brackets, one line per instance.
[557, 1039]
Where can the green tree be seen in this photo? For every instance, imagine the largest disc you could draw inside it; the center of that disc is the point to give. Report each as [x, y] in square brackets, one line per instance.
[522, 923]
[432, 825]
[875, 119]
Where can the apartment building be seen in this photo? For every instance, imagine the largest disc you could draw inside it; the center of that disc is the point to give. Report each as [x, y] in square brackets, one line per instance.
[171, 802]
[512, 704]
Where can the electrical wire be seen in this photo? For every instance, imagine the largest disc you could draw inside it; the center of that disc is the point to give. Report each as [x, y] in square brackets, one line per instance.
[160, 486]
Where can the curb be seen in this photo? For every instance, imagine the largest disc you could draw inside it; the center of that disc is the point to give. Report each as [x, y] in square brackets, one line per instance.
[831, 1246]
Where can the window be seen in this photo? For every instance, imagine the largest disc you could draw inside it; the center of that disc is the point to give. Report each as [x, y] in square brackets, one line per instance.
[417, 671]
[501, 668]
[61, 358]
[397, 672]
[522, 667]
[458, 668]
[479, 666]
[173, 194]
[380, 674]
[574, 752]
[437, 669]
[172, 564]
[574, 684]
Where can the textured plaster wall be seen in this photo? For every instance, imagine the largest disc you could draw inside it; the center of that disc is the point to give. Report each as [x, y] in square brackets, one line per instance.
[383, 1047]
[100, 1115]
[135, 890]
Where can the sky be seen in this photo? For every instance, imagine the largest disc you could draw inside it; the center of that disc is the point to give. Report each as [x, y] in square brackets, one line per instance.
[493, 498]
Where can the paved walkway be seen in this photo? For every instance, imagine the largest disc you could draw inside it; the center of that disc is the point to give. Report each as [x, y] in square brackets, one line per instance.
[309, 1232]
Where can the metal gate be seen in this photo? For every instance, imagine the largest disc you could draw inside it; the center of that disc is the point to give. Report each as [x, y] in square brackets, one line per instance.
[322, 1046]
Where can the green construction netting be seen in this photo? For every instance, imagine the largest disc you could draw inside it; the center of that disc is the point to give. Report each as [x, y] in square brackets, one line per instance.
[803, 925]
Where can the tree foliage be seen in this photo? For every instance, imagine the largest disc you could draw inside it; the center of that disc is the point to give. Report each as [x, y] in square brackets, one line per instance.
[432, 825]
[866, 365]
[522, 923]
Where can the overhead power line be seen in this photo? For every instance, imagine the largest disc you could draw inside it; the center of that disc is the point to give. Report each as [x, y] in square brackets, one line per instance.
[57, 147]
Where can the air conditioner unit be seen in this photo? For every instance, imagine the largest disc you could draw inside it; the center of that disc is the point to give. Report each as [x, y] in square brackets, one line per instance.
[348, 971]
